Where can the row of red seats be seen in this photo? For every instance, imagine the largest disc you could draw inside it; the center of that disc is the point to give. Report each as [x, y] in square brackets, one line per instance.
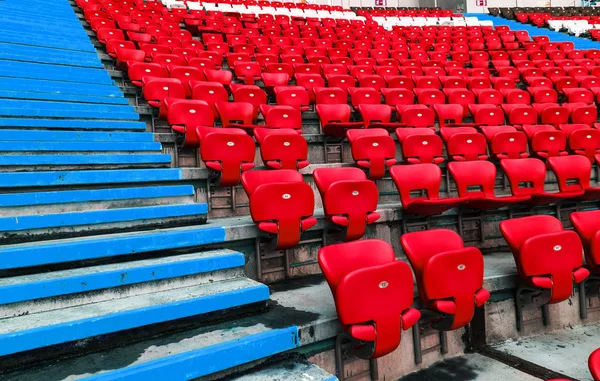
[373, 291]
[410, 12]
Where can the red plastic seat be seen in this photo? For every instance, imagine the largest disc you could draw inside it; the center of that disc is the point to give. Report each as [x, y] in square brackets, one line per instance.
[377, 116]
[224, 77]
[374, 315]
[573, 175]
[546, 141]
[236, 115]
[506, 142]
[464, 145]
[155, 90]
[482, 176]
[282, 148]
[575, 95]
[228, 152]
[586, 142]
[364, 95]
[527, 177]
[398, 96]
[551, 113]
[449, 275]
[372, 149]
[582, 113]
[520, 114]
[546, 255]
[587, 225]
[420, 145]
[309, 82]
[486, 114]
[422, 177]
[127, 57]
[516, 96]
[335, 119]
[210, 92]
[248, 72]
[349, 199]
[250, 94]
[294, 96]
[185, 115]
[416, 115]
[330, 95]
[282, 117]
[138, 70]
[185, 74]
[281, 204]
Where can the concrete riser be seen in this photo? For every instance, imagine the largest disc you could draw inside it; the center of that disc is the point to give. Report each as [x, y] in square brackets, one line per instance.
[389, 228]
[500, 323]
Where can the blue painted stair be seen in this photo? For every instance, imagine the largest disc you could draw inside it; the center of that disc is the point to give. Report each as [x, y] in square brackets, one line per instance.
[579, 42]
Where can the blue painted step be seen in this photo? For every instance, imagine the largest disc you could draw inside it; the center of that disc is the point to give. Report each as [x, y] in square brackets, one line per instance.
[93, 195]
[60, 112]
[76, 124]
[110, 245]
[66, 282]
[63, 178]
[44, 329]
[59, 87]
[29, 95]
[75, 136]
[232, 351]
[55, 72]
[78, 146]
[48, 55]
[99, 217]
[76, 160]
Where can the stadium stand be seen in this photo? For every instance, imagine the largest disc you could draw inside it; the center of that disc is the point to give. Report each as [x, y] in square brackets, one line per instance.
[140, 228]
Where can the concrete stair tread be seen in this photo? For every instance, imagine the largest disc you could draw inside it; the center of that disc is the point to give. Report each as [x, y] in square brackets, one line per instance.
[564, 351]
[75, 160]
[30, 146]
[93, 195]
[75, 136]
[71, 281]
[43, 329]
[108, 245]
[95, 217]
[288, 370]
[26, 95]
[59, 87]
[63, 178]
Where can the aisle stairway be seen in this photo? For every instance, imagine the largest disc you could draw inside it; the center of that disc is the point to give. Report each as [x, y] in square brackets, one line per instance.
[101, 242]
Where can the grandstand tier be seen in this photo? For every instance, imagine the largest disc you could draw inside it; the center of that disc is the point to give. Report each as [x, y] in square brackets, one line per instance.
[262, 190]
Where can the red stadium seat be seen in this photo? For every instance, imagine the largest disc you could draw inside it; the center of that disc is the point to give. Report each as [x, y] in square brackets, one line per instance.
[210, 92]
[422, 177]
[236, 115]
[282, 117]
[424, 147]
[372, 149]
[547, 256]
[475, 181]
[138, 70]
[416, 115]
[281, 204]
[573, 175]
[506, 142]
[465, 146]
[377, 116]
[294, 96]
[185, 115]
[155, 91]
[546, 141]
[586, 142]
[248, 72]
[373, 316]
[587, 226]
[349, 199]
[282, 148]
[449, 275]
[527, 177]
[335, 119]
[228, 152]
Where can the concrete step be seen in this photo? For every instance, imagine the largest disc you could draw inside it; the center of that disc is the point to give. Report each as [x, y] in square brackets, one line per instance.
[75, 136]
[288, 370]
[73, 124]
[472, 367]
[27, 228]
[28, 332]
[564, 351]
[19, 163]
[35, 293]
[108, 246]
[72, 178]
